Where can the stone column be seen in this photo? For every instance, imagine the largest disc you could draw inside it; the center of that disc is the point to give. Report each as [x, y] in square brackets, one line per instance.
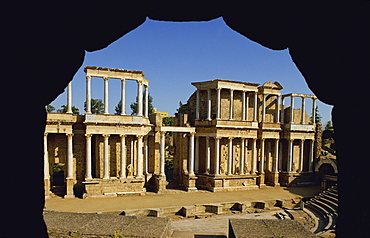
[46, 167]
[139, 167]
[231, 104]
[313, 110]
[209, 104]
[123, 92]
[88, 157]
[191, 155]
[255, 107]
[69, 98]
[263, 107]
[218, 103]
[69, 156]
[280, 168]
[146, 109]
[139, 98]
[282, 110]
[88, 94]
[262, 159]
[291, 109]
[311, 158]
[290, 155]
[301, 154]
[162, 158]
[277, 115]
[106, 95]
[208, 156]
[230, 157]
[302, 112]
[46, 157]
[217, 156]
[196, 155]
[146, 153]
[122, 173]
[106, 157]
[197, 105]
[276, 156]
[254, 156]
[246, 107]
[242, 155]
[243, 105]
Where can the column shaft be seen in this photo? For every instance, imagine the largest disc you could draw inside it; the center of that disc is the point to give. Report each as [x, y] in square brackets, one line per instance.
[209, 107]
[277, 115]
[123, 157]
[46, 157]
[146, 109]
[262, 159]
[69, 98]
[303, 109]
[218, 103]
[263, 107]
[146, 152]
[301, 154]
[69, 156]
[139, 98]
[162, 159]
[231, 104]
[290, 155]
[246, 106]
[312, 149]
[292, 109]
[123, 97]
[313, 110]
[276, 156]
[191, 155]
[282, 110]
[106, 157]
[217, 156]
[242, 156]
[255, 107]
[88, 94]
[254, 156]
[196, 155]
[139, 168]
[243, 105]
[106, 95]
[197, 105]
[88, 157]
[230, 157]
[208, 156]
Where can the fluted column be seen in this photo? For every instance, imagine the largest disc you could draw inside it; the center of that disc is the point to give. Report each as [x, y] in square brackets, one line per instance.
[197, 105]
[139, 98]
[302, 112]
[290, 155]
[291, 109]
[106, 96]
[231, 104]
[122, 173]
[255, 107]
[313, 110]
[254, 156]
[146, 109]
[242, 155]
[139, 167]
[69, 156]
[230, 157]
[243, 105]
[69, 97]
[301, 154]
[46, 157]
[88, 94]
[277, 115]
[196, 155]
[209, 103]
[208, 156]
[311, 158]
[218, 103]
[88, 157]
[191, 154]
[106, 157]
[276, 156]
[263, 107]
[262, 159]
[217, 156]
[162, 158]
[123, 96]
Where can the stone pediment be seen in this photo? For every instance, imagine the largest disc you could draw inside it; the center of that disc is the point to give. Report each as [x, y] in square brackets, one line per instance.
[274, 85]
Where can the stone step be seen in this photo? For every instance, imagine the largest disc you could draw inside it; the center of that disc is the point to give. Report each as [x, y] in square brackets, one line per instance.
[195, 234]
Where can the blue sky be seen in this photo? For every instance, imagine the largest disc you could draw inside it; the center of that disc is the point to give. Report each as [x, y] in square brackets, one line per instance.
[172, 55]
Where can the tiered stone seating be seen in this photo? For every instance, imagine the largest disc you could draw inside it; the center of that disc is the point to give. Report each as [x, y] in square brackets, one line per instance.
[324, 207]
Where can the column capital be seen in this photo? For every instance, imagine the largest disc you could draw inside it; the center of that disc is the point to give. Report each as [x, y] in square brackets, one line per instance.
[88, 135]
[123, 135]
[262, 139]
[88, 77]
[105, 78]
[123, 80]
[45, 134]
[231, 137]
[106, 135]
[69, 135]
[218, 137]
[192, 134]
[139, 82]
[218, 89]
[139, 137]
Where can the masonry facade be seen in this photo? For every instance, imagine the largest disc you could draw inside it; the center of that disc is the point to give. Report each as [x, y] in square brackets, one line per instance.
[229, 136]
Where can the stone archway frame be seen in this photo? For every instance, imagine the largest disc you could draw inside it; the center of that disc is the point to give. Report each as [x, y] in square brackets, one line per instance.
[326, 161]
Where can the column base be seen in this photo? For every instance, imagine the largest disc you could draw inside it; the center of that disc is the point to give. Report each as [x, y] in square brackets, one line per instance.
[47, 187]
[70, 182]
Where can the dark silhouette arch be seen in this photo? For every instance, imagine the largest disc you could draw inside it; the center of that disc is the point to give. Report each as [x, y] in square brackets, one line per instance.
[43, 45]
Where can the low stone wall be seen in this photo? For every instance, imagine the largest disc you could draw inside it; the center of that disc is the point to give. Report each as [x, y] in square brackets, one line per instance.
[227, 183]
[113, 187]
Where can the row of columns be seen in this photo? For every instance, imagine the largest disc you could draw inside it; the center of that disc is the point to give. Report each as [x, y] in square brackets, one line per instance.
[143, 108]
[245, 103]
[291, 119]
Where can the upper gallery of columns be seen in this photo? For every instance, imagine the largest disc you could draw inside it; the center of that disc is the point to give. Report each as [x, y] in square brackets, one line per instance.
[103, 72]
[226, 84]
